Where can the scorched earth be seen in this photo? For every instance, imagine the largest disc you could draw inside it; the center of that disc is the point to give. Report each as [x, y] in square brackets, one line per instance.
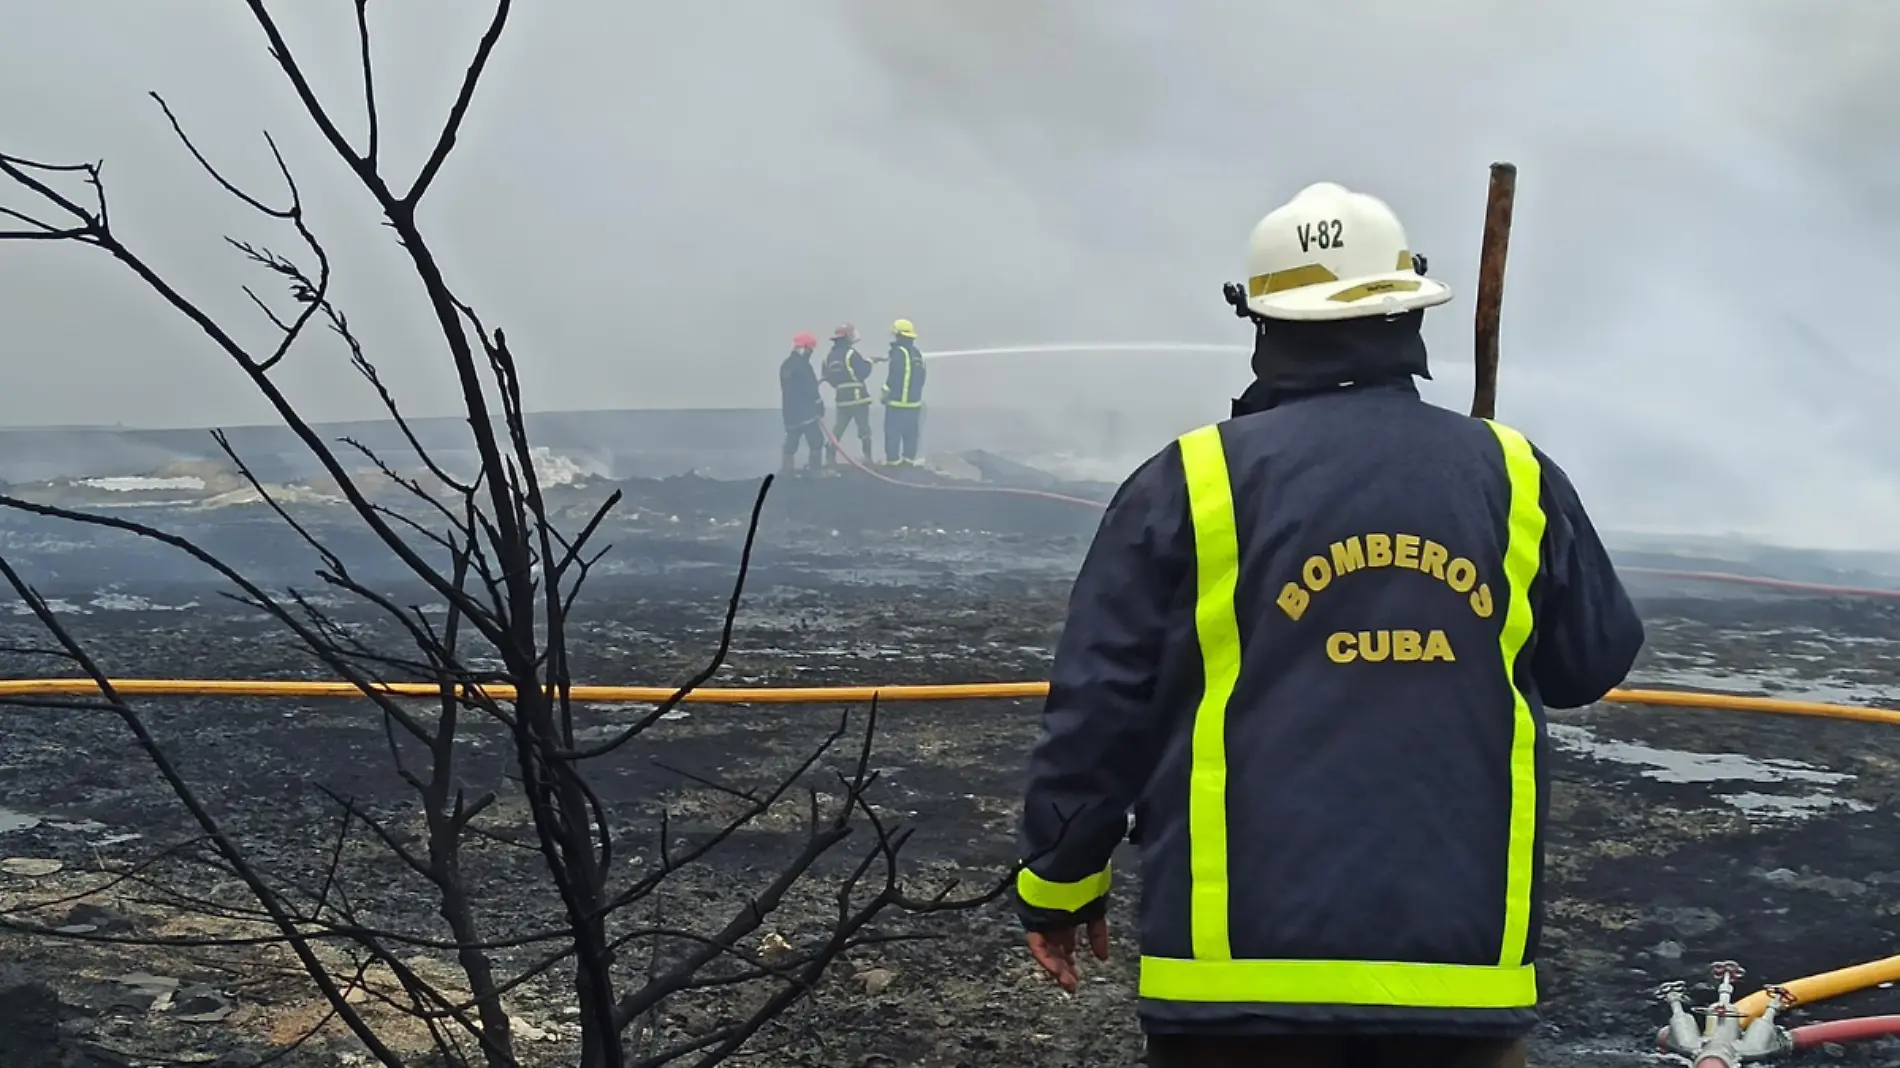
[1680, 837]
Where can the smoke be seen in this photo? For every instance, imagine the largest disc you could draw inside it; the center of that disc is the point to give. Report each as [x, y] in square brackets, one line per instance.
[652, 197]
[1705, 207]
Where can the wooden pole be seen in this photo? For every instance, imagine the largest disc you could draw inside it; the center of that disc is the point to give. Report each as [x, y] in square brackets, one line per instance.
[1497, 245]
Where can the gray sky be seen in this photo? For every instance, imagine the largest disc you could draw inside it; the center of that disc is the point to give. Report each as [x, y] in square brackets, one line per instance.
[652, 197]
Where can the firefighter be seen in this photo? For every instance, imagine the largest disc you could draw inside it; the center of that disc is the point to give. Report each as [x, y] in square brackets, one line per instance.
[903, 395]
[1311, 648]
[801, 404]
[848, 372]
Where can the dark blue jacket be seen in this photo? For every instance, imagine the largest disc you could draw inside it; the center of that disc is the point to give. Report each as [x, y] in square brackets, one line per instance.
[904, 377]
[849, 373]
[799, 399]
[1323, 698]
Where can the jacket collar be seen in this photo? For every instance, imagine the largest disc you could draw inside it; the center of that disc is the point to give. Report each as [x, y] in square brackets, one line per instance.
[1296, 359]
[1260, 396]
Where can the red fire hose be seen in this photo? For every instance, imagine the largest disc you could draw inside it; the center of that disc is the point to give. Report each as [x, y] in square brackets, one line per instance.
[1858, 1029]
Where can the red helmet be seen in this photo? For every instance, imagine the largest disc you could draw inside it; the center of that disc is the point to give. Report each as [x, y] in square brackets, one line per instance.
[804, 341]
[844, 330]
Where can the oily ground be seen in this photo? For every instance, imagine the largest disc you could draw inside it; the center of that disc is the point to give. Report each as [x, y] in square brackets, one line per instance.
[1679, 837]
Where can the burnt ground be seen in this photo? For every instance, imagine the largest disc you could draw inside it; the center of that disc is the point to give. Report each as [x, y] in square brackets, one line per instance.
[1679, 837]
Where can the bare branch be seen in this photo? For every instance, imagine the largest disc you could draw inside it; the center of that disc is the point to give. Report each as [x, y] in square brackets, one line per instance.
[369, 82]
[445, 141]
[226, 184]
[718, 659]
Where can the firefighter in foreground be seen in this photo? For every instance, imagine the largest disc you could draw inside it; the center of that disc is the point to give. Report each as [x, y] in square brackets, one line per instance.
[903, 395]
[1311, 648]
[848, 372]
[801, 403]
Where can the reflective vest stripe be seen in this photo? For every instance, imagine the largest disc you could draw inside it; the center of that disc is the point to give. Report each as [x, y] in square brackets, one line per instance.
[1212, 975]
[848, 364]
[1522, 553]
[1217, 567]
[1040, 893]
[903, 398]
[1339, 982]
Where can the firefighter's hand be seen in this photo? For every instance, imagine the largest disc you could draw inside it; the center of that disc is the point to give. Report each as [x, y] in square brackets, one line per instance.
[1055, 951]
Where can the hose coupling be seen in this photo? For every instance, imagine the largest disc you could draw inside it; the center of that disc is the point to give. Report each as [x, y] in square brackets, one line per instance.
[1721, 1041]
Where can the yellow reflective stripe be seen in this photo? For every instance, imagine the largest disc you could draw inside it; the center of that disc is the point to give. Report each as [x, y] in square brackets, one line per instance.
[1522, 552]
[1340, 982]
[1217, 566]
[1038, 892]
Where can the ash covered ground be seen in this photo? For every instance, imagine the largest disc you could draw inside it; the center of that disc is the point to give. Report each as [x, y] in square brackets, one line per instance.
[1679, 837]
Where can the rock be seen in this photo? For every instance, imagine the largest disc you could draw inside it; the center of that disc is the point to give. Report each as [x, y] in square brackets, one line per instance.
[201, 1004]
[1690, 921]
[238, 1058]
[98, 917]
[528, 1032]
[30, 867]
[144, 979]
[875, 981]
[1826, 884]
[773, 948]
[1668, 950]
[144, 992]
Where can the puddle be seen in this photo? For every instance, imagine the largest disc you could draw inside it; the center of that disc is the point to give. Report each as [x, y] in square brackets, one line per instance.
[12, 820]
[1682, 766]
[1678, 765]
[1777, 805]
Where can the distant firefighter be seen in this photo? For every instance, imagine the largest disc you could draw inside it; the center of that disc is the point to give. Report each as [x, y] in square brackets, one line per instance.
[801, 403]
[848, 372]
[903, 395]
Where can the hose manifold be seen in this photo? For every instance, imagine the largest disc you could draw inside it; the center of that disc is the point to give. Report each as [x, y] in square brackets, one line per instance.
[1720, 1040]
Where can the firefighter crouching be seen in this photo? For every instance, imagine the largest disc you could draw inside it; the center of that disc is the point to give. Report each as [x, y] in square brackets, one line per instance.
[1311, 647]
[801, 403]
[903, 395]
[848, 372]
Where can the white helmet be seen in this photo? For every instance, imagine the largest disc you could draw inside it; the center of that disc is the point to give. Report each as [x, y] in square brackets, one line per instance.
[1331, 253]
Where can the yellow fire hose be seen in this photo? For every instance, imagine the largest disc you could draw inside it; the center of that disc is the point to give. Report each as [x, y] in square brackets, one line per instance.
[625, 695]
[1809, 989]
[795, 695]
[1827, 985]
